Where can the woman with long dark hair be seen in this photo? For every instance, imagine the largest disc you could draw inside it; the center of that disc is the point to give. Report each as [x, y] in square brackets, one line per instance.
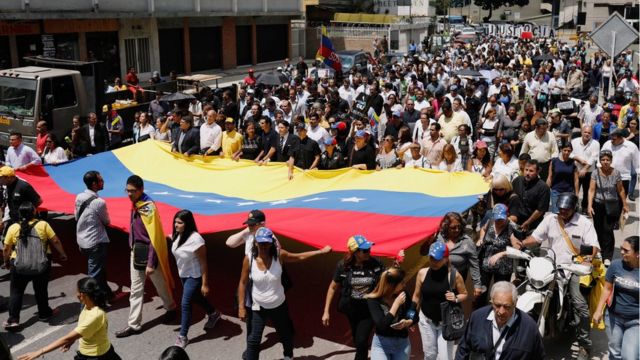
[30, 261]
[480, 161]
[190, 252]
[267, 298]
[463, 254]
[622, 280]
[92, 329]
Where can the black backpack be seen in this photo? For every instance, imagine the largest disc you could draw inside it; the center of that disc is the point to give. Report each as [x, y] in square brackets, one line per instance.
[31, 255]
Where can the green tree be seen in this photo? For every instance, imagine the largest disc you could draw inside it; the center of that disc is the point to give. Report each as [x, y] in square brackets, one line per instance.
[495, 4]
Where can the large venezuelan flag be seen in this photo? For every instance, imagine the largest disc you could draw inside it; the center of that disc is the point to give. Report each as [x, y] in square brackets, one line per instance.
[394, 208]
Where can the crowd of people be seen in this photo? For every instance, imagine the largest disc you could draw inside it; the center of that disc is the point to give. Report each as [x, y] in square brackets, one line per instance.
[561, 163]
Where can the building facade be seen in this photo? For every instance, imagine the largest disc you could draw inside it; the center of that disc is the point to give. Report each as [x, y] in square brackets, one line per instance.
[150, 35]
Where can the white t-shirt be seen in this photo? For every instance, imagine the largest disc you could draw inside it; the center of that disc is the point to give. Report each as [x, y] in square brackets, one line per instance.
[186, 258]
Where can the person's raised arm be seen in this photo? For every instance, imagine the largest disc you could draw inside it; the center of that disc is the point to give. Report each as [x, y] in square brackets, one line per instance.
[290, 257]
[237, 239]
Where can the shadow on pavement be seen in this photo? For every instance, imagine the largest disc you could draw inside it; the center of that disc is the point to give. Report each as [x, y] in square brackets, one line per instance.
[224, 329]
[326, 356]
[12, 338]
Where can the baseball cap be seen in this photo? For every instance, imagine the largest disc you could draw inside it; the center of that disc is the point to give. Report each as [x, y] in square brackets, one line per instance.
[397, 113]
[500, 212]
[481, 144]
[250, 70]
[360, 133]
[453, 88]
[7, 171]
[301, 125]
[229, 120]
[264, 235]
[330, 141]
[358, 242]
[339, 126]
[438, 250]
[255, 216]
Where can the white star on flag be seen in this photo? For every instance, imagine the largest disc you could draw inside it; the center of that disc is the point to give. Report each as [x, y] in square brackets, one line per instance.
[279, 202]
[161, 193]
[214, 201]
[352, 199]
[314, 199]
[246, 203]
[187, 196]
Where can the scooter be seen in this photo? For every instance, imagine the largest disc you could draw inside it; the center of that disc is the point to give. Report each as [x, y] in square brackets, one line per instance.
[545, 287]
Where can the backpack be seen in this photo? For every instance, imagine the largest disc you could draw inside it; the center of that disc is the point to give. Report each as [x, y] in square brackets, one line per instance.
[31, 256]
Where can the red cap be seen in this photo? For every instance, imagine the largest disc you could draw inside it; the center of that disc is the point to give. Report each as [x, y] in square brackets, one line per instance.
[250, 70]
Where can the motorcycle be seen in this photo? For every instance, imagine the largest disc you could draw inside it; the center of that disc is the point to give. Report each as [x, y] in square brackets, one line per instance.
[544, 288]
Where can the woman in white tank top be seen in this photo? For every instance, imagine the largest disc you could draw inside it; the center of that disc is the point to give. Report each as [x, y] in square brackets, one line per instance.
[262, 278]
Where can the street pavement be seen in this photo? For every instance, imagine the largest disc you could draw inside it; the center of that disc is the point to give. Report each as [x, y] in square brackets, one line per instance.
[227, 340]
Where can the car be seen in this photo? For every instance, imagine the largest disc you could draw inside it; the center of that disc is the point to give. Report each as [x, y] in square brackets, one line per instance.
[394, 57]
[357, 59]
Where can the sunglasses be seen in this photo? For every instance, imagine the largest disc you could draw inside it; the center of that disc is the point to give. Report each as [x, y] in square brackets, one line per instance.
[365, 251]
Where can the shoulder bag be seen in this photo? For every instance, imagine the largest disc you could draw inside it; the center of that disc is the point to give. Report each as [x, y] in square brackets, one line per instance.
[453, 324]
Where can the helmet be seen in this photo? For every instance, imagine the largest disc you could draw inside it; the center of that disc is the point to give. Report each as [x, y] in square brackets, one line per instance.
[620, 91]
[567, 201]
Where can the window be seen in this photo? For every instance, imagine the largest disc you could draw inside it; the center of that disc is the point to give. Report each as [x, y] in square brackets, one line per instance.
[137, 53]
[64, 93]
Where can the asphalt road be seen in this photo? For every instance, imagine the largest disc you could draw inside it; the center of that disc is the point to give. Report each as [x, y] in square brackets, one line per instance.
[227, 340]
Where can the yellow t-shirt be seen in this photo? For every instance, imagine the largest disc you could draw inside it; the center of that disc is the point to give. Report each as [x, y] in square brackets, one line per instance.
[93, 326]
[44, 230]
[231, 143]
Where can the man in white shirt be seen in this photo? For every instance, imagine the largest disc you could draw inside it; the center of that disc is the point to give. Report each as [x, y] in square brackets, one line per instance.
[210, 135]
[589, 112]
[458, 109]
[317, 132]
[625, 156]
[287, 113]
[420, 102]
[556, 87]
[195, 108]
[19, 156]
[453, 94]
[346, 92]
[585, 153]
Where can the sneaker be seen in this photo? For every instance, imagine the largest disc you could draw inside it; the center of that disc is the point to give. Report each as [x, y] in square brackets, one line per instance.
[212, 319]
[10, 324]
[583, 354]
[169, 316]
[126, 332]
[182, 341]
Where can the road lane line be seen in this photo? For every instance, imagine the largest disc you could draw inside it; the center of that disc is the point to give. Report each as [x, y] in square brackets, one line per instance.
[39, 336]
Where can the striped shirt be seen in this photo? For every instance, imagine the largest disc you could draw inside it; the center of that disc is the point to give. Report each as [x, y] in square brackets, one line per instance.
[90, 228]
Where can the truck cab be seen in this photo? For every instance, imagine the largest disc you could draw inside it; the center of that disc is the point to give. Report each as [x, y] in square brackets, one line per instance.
[32, 93]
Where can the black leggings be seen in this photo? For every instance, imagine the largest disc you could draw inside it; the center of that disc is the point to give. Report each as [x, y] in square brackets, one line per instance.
[109, 355]
[361, 328]
[604, 230]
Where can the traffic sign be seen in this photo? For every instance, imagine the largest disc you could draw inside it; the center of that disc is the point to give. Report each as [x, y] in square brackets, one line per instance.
[614, 35]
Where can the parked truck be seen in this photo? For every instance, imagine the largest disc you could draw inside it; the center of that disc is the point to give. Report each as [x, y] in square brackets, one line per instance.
[55, 90]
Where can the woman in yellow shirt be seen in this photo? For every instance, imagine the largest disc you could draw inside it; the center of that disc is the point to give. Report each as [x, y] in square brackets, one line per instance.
[92, 328]
[27, 252]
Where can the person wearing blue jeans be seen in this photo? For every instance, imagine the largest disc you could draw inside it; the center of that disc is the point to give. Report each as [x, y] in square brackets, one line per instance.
[623, 278]
[190, 253]
[91, 233]
[97, 265]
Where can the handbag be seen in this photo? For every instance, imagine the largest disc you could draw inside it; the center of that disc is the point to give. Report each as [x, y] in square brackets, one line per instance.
[611, 206]
[453, 324]
[140, 255]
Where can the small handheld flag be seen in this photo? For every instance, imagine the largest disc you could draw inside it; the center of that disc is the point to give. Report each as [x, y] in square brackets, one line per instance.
[326, 53]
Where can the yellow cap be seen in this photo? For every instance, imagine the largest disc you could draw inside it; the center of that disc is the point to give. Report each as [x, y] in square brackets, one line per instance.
[7, 171]
[229, 120]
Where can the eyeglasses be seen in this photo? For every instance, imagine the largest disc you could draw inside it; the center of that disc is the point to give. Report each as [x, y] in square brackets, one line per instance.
[388, 139]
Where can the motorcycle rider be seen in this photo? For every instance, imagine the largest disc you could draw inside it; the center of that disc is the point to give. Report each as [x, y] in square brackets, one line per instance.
[628, 83]
[568, 234]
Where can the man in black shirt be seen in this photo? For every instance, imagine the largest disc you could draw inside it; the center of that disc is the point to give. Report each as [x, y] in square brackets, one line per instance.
[16, 192]
[269, 142]
[375, 100]
[302, 67]
[307, 155]
[534, 193]
[394, 125]
[362, 156]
